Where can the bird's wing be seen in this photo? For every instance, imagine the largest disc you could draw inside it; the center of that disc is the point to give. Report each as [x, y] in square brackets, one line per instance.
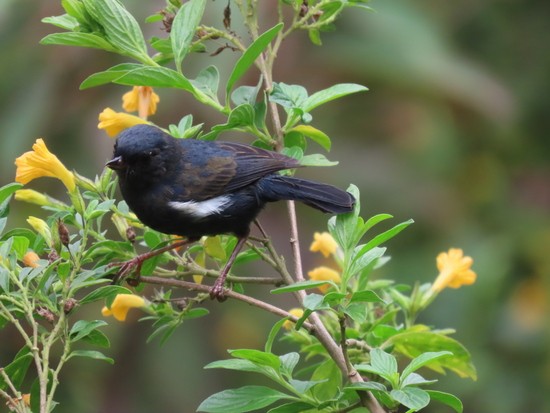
[253, 163]
[226, 167]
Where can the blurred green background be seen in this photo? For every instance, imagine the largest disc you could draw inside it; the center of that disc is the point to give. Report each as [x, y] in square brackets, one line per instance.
[453, 133]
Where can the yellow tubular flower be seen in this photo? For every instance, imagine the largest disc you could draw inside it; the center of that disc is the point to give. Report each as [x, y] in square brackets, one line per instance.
[115, 122]
[31, 259]
[41, 162]
[296, 312]
[324, 243]
[454, 270]
[122, 304]
[141, 99]
[324, 274]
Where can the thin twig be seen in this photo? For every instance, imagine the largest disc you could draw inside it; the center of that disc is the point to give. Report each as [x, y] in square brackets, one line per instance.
[191, 286]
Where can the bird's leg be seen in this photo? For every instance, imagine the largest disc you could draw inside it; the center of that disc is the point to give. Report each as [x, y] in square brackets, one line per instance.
[134, 265]
[217, 289]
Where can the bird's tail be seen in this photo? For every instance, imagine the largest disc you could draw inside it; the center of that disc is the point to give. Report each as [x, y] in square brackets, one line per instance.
[320, 196]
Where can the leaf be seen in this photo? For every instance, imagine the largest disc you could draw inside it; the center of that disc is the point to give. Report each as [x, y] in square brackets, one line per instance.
[258, 357]
[414, 379]
[332, 376]
[422, 360]
[64, 21]
[316, 159]
[250, 55]
[243, 399]
[184, 27]
[108, 75]
[82, 328]
[302, 285]
[107, 291]
[288, 96]
[418, 340]
[17, 369]
[121, 28]
[294, 407]
[446, 398]
[97, 355]
[236, 364]
[314, 134]
[78, 39]
[97, 338]
[273, 334]
[208, 81]
[155, 77]
[334, 92]
[384, 236]
[367, 296]
[289, 362]
[411, 397]
[357, 312]
[7, 190]
[314, 302]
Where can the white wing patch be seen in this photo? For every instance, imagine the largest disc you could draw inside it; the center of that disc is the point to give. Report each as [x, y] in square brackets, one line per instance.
[202, 209]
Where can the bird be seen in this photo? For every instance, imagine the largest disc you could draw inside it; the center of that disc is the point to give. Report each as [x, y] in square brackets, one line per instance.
[194, 188]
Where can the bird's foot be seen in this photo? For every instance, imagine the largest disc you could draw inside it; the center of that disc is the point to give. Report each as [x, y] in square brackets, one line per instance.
[129, 270]
[218, 291]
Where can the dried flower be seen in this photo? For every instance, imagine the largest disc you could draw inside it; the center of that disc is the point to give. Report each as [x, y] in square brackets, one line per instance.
[122, 304]
[454, 270]
[115, 122]
[296, 312]
[324, 274]
[41, 162]
[324, 243]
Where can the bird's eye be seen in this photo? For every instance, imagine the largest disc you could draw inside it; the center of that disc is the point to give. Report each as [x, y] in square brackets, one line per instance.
[153, 152]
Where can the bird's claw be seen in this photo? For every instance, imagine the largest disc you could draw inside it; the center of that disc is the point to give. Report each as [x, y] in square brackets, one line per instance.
[218, 292]
[126, 269]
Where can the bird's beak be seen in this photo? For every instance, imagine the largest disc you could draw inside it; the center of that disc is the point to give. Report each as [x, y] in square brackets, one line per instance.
[116, 163]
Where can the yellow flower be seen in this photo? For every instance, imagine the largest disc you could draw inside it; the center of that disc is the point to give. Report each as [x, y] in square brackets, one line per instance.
[41, 162]
[40, 226]
[324, 243]
[115, 122]
[454, 270]
[324, 274]
[296, 312]
[141, 99]
[32, 197]
[122, 304]
[31, 259]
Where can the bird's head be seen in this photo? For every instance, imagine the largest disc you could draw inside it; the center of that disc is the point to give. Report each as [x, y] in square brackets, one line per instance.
[142, 153]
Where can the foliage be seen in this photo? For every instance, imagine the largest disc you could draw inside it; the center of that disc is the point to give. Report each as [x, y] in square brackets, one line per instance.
[350, 336]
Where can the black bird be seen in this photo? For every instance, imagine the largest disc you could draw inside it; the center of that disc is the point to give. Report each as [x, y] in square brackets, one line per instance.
[193, 188]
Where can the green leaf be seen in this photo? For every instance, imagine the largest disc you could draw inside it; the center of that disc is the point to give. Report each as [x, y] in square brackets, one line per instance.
[7, 190]
[82, 328]
[250, 55]
[208, 81]
[294, 407]
[288, 96]
[446, 398]
[17, 369]
[243, 399]
[332, 376]
[97, 338]
[97, 355]
[316, 159]
[314, 302]
[422, 360]
[155, 77]
[78, 39]
[64, 21]
[107, 291]
[121, 28]
[314, 134]
[334, 92]
[357, 312]
[419, 339]
[302, 285]
[238, 365]
[258, 357]
[411, 397]
[385, 236]
[184, 27]
[288, 363]
[367, 296]
[273, 334]
[108, 75]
